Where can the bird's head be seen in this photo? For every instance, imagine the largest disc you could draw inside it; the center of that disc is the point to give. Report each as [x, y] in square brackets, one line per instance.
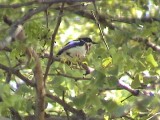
[88, 42]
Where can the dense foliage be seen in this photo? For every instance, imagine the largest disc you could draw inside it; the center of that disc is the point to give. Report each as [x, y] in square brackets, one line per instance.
[125, 60]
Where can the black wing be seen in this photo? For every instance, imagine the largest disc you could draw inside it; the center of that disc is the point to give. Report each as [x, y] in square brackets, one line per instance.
[71, 44]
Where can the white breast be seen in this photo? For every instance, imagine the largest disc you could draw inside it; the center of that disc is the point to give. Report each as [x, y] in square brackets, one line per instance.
[77, 53]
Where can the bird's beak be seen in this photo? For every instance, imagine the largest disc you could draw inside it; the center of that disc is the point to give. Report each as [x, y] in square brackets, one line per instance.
[94, 42]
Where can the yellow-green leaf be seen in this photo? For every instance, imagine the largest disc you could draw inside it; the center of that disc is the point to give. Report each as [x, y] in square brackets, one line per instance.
[107, 61]
[150, 59]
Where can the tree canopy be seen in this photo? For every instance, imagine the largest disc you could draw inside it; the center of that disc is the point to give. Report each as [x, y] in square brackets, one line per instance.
[122, 80]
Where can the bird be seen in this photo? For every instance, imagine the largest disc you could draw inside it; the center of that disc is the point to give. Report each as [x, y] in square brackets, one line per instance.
[76, 49]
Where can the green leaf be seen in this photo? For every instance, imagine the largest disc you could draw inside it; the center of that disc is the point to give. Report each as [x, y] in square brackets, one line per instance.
[94, 100]
[99, 78]
[113, 70]
[4, 109]
[111, 82]
[5, 89]
[150, 59]
[80, 101]
[59, 90]
[114, 108]
[11, 100]
[158, 71]
[23, 89]
[136, 82]
[57, 81]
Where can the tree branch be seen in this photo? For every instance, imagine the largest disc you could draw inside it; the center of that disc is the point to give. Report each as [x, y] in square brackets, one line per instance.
[15, 114]
[49, 95]
[18, 74]
[6, 41]
[60, 1]
[40, 89]
[148, 43]
[50, 60]
[102, 19]
[17, 5]
[134, 20]
[79, 113]
[108, 20]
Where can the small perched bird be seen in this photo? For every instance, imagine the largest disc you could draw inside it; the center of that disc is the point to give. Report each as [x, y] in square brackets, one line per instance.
[76, 49]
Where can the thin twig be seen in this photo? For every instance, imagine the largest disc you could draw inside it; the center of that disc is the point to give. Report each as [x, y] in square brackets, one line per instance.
[99, 26]
[72, 77]
[154, 116]
[126, 98]
[63, 96]
[46, 15]
[8, 59]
